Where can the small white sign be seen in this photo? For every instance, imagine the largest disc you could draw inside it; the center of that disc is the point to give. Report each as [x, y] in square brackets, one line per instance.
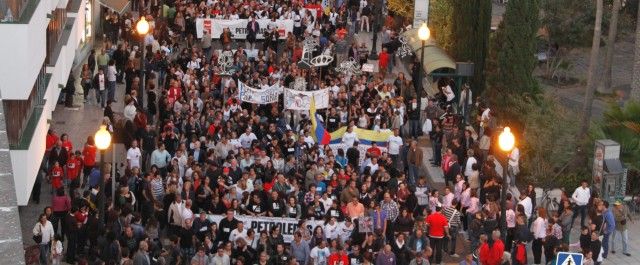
[368, 67]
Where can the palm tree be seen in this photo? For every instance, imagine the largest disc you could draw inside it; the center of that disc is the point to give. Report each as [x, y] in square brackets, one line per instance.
[635, 82]
[593, 64]
[605, 86]
[622, 124]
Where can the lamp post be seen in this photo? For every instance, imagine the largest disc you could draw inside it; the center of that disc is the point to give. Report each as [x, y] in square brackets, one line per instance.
[506, 141]
[143, 28]
[103, 141]
[423, 35]
[375, 26]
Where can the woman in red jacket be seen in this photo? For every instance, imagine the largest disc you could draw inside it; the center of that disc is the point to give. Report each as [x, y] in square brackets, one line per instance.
[56, 176]
[88, 158]
[491, 254]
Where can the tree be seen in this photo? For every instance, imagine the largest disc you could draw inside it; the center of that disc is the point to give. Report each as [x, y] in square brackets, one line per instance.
[441, 23]
[622, 124]
[591, 73]
[605, 86]
[569, 22]
[513, 49]
[635, 82]
[471, 30]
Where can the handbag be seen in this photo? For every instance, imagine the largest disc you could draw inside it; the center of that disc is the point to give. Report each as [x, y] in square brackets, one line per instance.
[38, 238]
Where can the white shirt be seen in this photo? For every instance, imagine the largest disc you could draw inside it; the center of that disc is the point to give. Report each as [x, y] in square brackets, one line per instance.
[235, 234]
[395, 142]
[133, 156]
[467, 168]
[130, 112]
[186, 214]
[448, 92]
[45, 230]
[539, 228]
[245, 140]
[331, 230]
[344, 231]
[349, 138]
[528, 206]
[514, 156]
[101, 82]
[320, 256]
[581, 196]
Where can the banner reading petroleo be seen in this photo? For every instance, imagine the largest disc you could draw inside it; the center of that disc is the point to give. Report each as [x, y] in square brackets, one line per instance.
[301, 100]
[238, 27]
[288, 226]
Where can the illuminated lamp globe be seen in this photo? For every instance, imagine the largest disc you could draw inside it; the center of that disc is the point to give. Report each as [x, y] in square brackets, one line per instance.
[506, 140]
[423, 32]
[142, 26]
[102, 138]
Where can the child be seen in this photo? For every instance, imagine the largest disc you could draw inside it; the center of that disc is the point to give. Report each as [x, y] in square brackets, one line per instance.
[56, 176]
[56, 250]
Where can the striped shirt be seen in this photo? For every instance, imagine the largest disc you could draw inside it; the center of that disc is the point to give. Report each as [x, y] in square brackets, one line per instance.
[157, 189]
[452, 215]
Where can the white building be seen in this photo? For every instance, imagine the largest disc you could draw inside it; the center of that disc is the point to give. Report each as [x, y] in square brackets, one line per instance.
[41, 41]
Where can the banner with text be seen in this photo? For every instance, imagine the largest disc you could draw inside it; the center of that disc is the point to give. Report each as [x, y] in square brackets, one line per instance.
[288, 226]
[301, 100]
[259, 96]
[238, 27]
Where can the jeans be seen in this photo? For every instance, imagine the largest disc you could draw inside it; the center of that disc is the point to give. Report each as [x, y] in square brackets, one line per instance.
[101, 97]
[436, 246]
[437, 153]
[111, 90]
[450, 243]
[582, 210]
[394, 158]
[605, 244]
[44, 253]
[413, 174]
[414, 127]
[625, 238]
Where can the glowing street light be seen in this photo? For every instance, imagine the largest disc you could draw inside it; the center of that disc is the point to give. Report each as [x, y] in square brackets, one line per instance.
[506, 140]
[142, 26]
[423, 32]
[102, 138]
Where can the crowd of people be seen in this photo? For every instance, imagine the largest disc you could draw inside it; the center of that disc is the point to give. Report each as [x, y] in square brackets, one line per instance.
[194, 150]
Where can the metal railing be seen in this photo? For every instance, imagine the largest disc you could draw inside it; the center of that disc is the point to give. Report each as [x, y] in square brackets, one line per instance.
[12, 10]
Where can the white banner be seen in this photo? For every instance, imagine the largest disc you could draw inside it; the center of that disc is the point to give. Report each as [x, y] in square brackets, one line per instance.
[238, 27]
[288, 226]
[259, 96]
[301, 100]
[362, 148]
[420, 13]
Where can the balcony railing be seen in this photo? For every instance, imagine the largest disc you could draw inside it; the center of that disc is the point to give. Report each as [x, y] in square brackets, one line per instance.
[25, 113]
[12, 10]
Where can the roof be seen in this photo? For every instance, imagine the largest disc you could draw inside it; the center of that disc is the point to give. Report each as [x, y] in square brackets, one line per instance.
[117, 5]
[434, 57]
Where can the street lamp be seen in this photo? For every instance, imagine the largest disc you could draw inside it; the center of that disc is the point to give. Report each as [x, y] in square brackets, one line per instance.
[103, 141]
[506, 141]
[423, 35]
[143, 28]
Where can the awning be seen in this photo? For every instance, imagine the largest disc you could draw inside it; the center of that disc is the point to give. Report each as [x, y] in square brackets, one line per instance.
[117, 5]
[434, 57]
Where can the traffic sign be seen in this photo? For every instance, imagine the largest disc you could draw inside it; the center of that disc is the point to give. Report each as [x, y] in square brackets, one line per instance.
[569, 258]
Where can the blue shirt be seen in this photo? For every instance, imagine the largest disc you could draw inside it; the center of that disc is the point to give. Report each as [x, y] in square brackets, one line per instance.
[610, 220]
[94, 177]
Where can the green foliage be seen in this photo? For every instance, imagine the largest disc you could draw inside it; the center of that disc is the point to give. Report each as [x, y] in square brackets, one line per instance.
[472, 27]
[622, 124]
[441, 23]
[569, 22]
[514, 47]
[546, 141]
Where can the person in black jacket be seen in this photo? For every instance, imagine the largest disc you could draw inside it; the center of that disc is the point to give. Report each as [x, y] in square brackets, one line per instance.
[225, 227]
[595, 246]
[353, 156]
[454, 170]
[252, 31]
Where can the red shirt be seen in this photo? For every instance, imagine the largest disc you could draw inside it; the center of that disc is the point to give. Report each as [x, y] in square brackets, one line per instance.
[383, 59]
[73, 168]
[318, 9]
[173, 95]
[51, 140]
[89, 154]
[56, 177]
[437, 222]
[68, 145]
[337, 257]
[374, 151]
[492, 255]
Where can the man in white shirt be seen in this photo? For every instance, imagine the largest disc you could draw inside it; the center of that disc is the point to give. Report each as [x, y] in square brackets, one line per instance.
[345, 229]
[513, 166]
[349, 137]
[130, 110]
[239, 232]
[247, 138]
[525, 201]
[394, 144]
[331, 229]
[581, 198]
[320, 253]
[133, 155]
[470, 161]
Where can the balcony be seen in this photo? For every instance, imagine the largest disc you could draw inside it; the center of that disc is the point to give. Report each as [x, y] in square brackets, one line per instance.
[21, 124]
[17, 11]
